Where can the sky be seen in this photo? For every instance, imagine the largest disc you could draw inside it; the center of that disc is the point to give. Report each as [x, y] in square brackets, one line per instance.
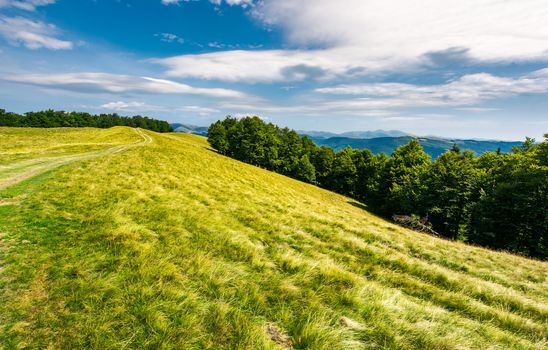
[456, 69]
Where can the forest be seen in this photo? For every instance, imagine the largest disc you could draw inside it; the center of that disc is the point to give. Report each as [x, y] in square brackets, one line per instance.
[497, 200]
[57, 119]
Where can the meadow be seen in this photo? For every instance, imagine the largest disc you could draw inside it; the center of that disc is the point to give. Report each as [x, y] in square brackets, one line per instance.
[132, 239]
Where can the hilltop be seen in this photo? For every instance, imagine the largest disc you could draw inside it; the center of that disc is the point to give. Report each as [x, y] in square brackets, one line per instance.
[124, 238]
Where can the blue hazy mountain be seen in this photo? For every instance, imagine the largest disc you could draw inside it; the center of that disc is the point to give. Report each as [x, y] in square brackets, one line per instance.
[382, 141]
[433, 146]
[355, 134]
[190, 129]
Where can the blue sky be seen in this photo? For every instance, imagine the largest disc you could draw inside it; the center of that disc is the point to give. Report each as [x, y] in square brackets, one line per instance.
[467, 69]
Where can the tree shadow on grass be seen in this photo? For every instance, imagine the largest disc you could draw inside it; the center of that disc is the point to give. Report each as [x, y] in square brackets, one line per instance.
[359, 205]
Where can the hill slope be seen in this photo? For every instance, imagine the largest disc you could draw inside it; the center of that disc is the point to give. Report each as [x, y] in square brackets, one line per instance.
[168, 244]
[433, 146]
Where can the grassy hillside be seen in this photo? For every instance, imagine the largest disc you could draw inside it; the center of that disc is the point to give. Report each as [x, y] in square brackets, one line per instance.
[27, 143]
[433, 146]
[28, 152]
[159, 242]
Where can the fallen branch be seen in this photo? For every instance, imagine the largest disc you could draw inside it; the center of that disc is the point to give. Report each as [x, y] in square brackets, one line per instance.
[414, 223]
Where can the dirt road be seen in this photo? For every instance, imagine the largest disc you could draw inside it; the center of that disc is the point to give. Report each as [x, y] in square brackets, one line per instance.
[12, 174]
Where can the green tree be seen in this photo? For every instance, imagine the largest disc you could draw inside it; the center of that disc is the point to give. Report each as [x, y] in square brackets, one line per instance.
[323, 158]
[290, 150]
[401, 183]
[217, 137]
[56, 119]
[304, 170]
[449, 186]
[367, 174]
[344, 173]
[512, 212]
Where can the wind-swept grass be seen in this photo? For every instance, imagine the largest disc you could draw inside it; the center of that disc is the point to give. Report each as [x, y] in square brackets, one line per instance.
[18, 144]
[170, 245]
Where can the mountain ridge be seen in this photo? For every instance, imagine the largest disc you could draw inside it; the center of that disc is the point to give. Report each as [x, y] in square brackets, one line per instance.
[189, 129]
[359, 134]
[433, 145]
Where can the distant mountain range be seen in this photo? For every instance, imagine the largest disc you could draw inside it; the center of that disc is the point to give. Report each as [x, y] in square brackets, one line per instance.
[382, 141]
[354, 134]
[433, 146]
[190, 129]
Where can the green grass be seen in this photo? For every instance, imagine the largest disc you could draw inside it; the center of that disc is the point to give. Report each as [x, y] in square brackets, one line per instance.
[170, 245]
[20, 144]
[29, 154]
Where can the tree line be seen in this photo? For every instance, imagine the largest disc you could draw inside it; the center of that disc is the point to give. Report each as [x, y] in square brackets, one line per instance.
[498, 200]
[56, 119]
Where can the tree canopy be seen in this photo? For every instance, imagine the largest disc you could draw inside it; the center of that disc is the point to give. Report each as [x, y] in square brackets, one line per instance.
[57, 119]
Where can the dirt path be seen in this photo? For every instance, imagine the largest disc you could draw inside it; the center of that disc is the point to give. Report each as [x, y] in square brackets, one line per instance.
[12, 174]
[147, 138]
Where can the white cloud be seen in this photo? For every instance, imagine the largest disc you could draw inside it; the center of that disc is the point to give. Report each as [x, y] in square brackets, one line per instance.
[170, 38]
[243, 3]
[31, 34]
[478, 109]
[384, 100]
[362, 37]
[468, 90]
[311, 108]
[129, 106]
[113, 83]
[268, 65]
[216, 45]
[137, 106]
[199, 110]
[29, 5]
[172, 2]
[487, 28]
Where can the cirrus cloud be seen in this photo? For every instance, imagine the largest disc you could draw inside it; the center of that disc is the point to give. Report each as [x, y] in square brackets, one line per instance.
[29, 5]
[468, 90]
[385, 100]
[138, 106]
[31, 34]
[170, 38]
[243, 3]
[116, 83]
[132, 106]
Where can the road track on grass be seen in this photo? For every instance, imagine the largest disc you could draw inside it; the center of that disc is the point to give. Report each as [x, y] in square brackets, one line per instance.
[12, 174]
